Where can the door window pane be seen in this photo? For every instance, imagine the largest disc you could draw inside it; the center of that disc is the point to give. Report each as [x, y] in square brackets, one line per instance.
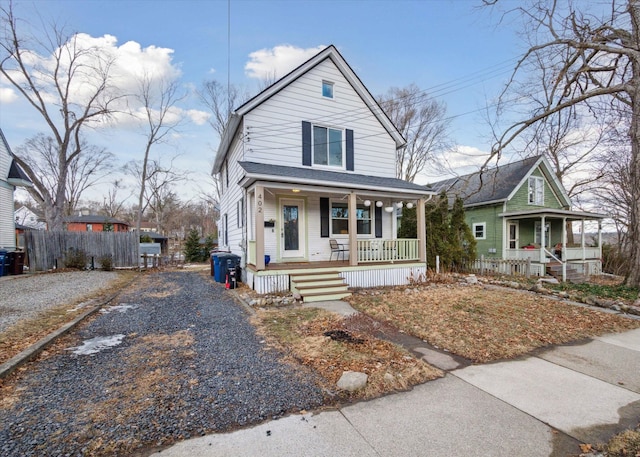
[291, 234]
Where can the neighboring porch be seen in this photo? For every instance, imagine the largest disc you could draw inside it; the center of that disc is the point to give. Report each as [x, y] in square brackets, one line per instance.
[541, 236]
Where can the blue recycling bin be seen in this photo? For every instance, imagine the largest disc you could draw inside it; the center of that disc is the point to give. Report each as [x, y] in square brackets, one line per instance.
[220, 266]
[4, 262]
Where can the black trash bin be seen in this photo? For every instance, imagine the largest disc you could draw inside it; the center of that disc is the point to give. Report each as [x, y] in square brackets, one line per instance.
[232, 262]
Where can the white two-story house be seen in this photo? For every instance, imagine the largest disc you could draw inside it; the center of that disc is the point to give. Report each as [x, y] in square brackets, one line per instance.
[308, 190]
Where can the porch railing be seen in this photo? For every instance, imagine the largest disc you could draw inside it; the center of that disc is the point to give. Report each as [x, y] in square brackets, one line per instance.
[576, 253]
[379, 250]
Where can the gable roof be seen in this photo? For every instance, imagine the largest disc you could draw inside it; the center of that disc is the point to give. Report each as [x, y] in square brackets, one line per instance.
[297, 175]
[500, 183]
[330, 52]
[16, 176]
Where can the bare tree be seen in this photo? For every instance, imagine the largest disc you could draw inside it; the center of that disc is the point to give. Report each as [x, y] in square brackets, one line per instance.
[40, 154]
[112, 205]
[220, 101]
[592, 53]
[159, 99]
[422, 122]
[68, 84]
[159, 187]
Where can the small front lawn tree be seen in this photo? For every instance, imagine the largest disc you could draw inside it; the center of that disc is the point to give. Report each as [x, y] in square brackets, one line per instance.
[192, 251]
[448, 234]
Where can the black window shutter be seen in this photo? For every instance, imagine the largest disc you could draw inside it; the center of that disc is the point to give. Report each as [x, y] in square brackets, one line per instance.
[378, 222]
[324, 217]
[349, 138]
[306, 143]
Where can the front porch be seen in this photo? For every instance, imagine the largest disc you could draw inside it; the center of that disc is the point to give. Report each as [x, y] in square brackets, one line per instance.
[541, 237]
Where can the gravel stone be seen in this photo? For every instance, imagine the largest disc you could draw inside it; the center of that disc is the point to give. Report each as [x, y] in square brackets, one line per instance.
[25, 296]
[218, 375]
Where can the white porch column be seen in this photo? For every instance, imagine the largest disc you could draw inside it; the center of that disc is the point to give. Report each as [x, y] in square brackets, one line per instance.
[563, 256]
[543, 241]
[422, 231]
[353, 229]
[582, 243]
[259, 221]
[600, 238]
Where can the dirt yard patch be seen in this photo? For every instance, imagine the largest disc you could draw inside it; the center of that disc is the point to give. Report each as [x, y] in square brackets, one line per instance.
[330, 345]
[486, 324]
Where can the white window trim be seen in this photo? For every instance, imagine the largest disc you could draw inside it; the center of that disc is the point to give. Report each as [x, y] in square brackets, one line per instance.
[333, 87]
[343, 143]
[537, 191]
[537, 233]
[484, 230]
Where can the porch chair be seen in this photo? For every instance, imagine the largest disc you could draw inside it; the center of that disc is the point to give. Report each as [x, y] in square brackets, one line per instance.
[337, 248]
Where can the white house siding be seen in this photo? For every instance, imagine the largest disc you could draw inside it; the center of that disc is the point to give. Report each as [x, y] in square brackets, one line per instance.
[273, 130]
[7, 227]
[230, 195]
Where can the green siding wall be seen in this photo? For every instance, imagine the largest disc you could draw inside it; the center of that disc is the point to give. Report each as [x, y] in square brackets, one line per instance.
[493, 239]
[520, 201]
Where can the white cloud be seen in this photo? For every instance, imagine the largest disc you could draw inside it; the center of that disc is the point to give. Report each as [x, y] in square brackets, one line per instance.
[277, 61]
[7, 95]
[198, 117]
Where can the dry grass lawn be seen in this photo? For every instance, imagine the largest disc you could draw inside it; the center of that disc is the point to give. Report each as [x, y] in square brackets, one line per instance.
[300, 333]
[487, 324]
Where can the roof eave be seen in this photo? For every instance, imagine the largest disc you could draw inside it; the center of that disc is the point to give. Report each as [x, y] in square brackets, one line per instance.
[250, 178]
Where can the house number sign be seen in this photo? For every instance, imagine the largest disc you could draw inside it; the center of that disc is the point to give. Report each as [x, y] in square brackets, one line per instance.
[259, 203]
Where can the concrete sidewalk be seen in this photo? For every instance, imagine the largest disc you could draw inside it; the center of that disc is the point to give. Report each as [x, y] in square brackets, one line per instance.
[538, 406]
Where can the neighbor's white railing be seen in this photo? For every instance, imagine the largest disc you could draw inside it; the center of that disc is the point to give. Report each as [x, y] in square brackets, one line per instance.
[379, 250]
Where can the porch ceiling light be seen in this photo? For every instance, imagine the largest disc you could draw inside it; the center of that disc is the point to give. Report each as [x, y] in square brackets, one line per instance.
[409, 205]
[388, 209]
[379, 204]
[367, 203]
[295, 191]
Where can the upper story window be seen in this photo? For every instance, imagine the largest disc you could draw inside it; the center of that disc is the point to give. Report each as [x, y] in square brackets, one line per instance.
[327, 89]
[327, 147]
[536, 191]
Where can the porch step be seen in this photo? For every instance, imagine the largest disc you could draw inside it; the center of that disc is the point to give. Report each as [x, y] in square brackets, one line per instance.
[313, 287]
[572, 275]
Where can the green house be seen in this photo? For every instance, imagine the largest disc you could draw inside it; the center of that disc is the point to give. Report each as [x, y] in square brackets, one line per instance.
[507, 208]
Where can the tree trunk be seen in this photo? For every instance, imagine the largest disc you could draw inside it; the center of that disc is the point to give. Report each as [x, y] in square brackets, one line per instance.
[633, 279]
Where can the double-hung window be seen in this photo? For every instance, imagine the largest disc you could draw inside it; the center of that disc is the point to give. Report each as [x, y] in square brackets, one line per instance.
[340, 219]
[327, 147]
[536, 191]
[480, 230]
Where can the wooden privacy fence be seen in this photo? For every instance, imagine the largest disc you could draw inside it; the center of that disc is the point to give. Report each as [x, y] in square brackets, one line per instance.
[47, 249]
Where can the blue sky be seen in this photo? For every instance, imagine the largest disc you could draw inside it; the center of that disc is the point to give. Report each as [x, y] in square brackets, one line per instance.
[454, 49]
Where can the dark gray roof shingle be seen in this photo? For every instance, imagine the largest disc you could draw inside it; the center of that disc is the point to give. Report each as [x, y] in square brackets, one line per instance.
[330, 177]
[496, 183]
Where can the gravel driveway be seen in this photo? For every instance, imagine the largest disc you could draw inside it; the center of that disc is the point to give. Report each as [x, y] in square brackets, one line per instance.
[25, 296]
[174, 357]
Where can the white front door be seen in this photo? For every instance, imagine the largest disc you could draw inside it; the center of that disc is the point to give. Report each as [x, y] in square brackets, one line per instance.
[292, 229]
[514, 235]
